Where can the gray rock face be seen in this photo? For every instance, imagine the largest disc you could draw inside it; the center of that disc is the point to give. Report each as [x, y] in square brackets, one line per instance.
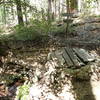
[88, 29]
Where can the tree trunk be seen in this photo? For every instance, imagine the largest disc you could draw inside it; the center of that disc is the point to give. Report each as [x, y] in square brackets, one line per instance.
[73, 5]
[68, 12]
[12, 12]
[4, 12]
[55, 9]
[25, 12]
[19, 12]
[49, 10]
[59, 9]
[68, 6]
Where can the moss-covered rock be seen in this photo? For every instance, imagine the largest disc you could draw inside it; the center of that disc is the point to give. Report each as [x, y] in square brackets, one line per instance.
[81, 74]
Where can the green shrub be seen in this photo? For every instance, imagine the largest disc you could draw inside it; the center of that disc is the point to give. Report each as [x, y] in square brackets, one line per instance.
[43, 26]
[58, 31]
[23, 92]
[25, 33]
[30, 32]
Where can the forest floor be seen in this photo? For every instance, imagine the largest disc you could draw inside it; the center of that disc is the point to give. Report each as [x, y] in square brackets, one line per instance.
[27, 61]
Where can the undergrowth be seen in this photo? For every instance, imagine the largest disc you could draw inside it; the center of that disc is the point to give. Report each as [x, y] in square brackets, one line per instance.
[30, 32]
[35, 28]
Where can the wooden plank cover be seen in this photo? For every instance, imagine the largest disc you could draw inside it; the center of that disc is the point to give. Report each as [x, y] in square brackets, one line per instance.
[81, 63]
[67, 58]
[83, 55]
[72, 56]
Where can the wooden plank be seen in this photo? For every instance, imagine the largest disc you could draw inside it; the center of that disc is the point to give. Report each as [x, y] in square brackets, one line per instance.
[80, 55]
[81, 63]
[83, 55]
[67, 58]
[72, 56]
[89, 57]
[58, 54]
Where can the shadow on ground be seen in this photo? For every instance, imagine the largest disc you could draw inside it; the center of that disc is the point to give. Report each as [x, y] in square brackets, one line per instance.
[83, 89]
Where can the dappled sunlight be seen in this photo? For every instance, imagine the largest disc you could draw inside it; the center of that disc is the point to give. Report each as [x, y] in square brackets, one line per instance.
[43, 92]
[50, 82]
[96, 89]
[51, 85]
[67, 92]
[49, 49]
[95, 82]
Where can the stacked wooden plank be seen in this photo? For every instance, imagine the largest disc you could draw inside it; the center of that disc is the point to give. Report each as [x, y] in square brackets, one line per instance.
[72, 57]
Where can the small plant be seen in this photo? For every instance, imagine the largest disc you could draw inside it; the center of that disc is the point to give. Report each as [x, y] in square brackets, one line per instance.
[23, 92]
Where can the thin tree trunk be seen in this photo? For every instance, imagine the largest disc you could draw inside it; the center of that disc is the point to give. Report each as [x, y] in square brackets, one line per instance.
[68, 6]
[49, 10]
[59, 10]
[4, 12]
[73, 5]
[68, 12]
[25, 12]
[19, 12]
[12, 12]
[55, 8]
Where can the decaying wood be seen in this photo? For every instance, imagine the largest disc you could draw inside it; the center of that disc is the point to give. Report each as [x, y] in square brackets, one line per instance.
[67, 59]
[72, 57]
[83, 55]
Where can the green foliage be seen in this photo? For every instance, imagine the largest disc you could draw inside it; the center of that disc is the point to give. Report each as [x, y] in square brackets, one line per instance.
[42, 25]
[35, 29]
[59, 30]
[4, 37]
[1, 29]
[9, 78]
[82, 73]
[23, 92]
[26, 33]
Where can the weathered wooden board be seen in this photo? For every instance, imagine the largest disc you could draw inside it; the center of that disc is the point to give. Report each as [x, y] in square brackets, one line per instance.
[83, 55]
[81, 63]
[72, 56]
[67, 58]
[59, 56]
